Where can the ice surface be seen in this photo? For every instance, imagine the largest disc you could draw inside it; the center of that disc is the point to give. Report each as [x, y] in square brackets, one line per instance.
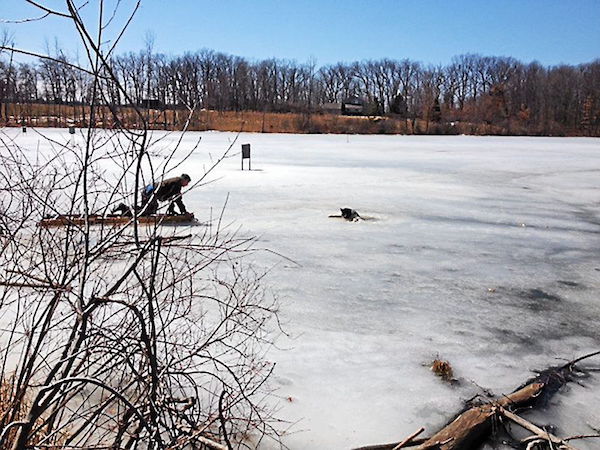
[485, 252]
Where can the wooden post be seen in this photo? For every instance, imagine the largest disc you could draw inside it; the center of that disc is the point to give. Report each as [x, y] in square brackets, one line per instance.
[246, 155]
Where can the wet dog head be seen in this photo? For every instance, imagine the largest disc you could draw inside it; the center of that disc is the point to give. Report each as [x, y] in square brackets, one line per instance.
[349, 214]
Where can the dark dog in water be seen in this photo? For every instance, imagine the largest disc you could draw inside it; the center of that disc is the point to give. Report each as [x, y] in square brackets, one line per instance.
[350, 214]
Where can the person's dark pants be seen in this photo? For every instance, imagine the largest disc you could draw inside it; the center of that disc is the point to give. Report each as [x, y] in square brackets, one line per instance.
[149, 205]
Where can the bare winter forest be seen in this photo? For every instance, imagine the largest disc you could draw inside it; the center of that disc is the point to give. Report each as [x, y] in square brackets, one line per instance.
[473, 94]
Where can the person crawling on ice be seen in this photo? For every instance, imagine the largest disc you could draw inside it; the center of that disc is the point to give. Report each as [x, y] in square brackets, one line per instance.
[168, 190]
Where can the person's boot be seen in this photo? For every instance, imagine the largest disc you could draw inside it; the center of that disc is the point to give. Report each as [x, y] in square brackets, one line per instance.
[122, 209]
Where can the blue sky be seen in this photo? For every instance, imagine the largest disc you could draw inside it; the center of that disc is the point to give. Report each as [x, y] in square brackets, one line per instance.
[430, 31]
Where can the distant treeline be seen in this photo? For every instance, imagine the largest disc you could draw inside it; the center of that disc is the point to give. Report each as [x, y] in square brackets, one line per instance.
[498, 93]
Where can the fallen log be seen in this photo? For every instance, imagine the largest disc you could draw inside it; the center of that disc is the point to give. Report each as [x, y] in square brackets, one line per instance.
[113, 219]
[542, 434]
[409, 439]
[392, 445]
[469, 428]
[474, 424]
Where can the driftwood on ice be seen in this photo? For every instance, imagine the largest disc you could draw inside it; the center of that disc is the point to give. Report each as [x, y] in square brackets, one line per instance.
[474, 425]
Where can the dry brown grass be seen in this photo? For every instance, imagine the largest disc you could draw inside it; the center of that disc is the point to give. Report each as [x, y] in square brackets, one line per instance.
[9, 408]
[48, 115]
[11, 411]
[442, 369]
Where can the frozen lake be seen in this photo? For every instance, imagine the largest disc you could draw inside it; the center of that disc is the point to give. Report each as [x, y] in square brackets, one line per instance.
[484, 252]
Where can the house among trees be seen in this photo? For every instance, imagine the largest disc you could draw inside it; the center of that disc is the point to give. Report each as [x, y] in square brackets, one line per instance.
[352, 106]
[331, 108]
[151, 103]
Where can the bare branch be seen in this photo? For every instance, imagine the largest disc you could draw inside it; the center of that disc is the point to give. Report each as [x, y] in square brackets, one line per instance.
[48, 10]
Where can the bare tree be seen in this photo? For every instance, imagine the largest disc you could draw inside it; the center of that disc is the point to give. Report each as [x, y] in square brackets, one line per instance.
[6, 73]
[123, 335]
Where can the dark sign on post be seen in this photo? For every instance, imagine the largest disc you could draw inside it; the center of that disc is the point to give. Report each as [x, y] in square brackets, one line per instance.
[71, 130]
[246, 155]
